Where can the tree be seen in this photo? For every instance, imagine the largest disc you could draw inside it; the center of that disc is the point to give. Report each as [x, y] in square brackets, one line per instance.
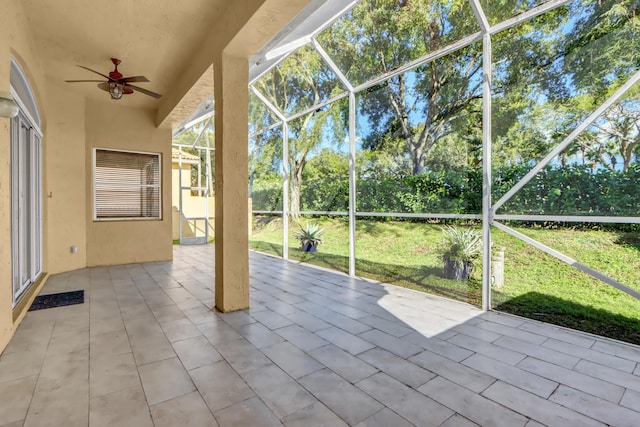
[421, 107]
[299, 82]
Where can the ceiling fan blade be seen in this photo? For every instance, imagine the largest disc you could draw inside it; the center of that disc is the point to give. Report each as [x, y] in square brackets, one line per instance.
[94, 71]
[134, 79]
[145, 91]
[84, 81]
[104, 86]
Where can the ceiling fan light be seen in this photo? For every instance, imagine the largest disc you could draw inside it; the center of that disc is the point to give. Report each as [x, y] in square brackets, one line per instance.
[116, 90]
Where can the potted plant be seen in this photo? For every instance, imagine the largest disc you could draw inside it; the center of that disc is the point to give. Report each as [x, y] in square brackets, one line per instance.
[310, 237]
[461, 247]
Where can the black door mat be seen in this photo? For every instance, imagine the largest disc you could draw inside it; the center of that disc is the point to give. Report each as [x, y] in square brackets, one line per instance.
[57, 300]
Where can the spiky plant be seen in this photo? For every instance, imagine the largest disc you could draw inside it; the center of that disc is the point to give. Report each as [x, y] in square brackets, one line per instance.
[461, 245]
[311, 235]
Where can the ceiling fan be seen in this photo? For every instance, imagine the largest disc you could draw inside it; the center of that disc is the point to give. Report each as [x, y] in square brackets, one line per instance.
[116, 84]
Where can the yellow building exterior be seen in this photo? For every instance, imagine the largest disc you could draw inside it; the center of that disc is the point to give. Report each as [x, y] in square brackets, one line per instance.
[194, 204]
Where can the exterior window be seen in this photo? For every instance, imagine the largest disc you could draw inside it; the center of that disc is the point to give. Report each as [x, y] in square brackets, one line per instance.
[126, 185]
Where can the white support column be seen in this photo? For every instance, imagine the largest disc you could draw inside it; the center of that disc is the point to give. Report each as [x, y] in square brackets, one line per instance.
[487, 212]
[285, 190]
[352, 184]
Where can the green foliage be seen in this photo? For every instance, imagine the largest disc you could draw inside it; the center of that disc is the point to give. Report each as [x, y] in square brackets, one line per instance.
[266, 193]
[556, 190]
[461, 245]
[573, 190]
[310, 235]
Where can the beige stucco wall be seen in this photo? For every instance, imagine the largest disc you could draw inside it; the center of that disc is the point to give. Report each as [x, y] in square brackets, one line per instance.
[15, 41]
[112, 125]
[65, 188]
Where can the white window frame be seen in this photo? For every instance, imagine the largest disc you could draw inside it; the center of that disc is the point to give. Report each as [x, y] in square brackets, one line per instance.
[95, 209]
[26, 236]
[26, 185]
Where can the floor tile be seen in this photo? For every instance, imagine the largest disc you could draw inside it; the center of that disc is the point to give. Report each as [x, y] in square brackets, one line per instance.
[345, 340]
[303, 339]
[18, 365]
[396, 329]
[511, 375]
[512, 332]
[455, 372]
[537, 408]
[110, 374]
[150, 348]
[631, 400]
[249, 413]
[316, 415]
[109, 344]
[348, 402]
[13, 424]
[344, 364]
[218, 332]
[63, 370]
[67, 405]
[542, 353]
[619, 349]
[471, 405]
[292, 360]
[196, 352]
[278, 390]
[271, 319]
[458, 420]
[259, 335]
[414, 406]
[447, 349]
[184, 411]
[165, 380]
[180, 329]
[397, 367]
[591, 355]
[220, 385]
[574, 379]
[594, 407]
[385, 418]
[390, 343]
[15, 397]
[607, 374]
[242, 356]
[103, 326]
[504, 355]
[167, 313]
[124, 408]
[200, 315]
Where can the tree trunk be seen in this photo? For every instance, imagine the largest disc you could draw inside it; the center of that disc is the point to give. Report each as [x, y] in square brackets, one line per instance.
[295, 184]
[418, 161]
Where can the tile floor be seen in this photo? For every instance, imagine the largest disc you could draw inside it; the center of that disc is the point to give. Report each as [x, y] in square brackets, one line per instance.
[316, 348]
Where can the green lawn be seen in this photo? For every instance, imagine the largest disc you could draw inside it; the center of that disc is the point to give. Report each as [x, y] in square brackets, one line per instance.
[536, 285]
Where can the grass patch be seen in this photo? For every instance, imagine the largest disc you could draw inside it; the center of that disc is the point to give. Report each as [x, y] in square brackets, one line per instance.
[536, 285]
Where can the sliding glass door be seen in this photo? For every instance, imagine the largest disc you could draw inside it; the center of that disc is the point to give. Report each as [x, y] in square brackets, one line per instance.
[26, 201]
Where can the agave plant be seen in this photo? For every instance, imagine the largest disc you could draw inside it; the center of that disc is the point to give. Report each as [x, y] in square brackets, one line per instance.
[461, 247]
[310, 237]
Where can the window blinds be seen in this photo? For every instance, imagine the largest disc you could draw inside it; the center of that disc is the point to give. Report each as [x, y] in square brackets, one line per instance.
[127, 185]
